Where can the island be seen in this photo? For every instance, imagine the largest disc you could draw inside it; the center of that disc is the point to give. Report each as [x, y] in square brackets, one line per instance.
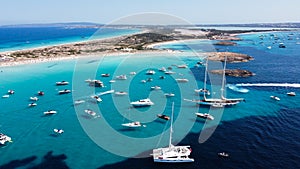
[139, 42]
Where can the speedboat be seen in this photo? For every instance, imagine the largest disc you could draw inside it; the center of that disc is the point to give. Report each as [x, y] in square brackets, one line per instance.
[169, 72]
[205, 116]
[291, 94]
[96, 83]
[50, 112]
[105, 75]
[184, 66]
[223, 154]
[132, 124]
[182, 80]
[281, 45]
[4, 138]
[142, 103]
[143, 81]
[34, 98]
[162, 69]
[32, 104]
[91, 113]
[132, 73]
[112, 81]
[169, 94]
[11, 92]
[121, 77]
[98, 99]
[275, 98]
[62, 83]
[150, 72]
[121, 93]
[65, 91]
[41, 93]
[164, 117]
[5, 96]
[162, 77]
[77, 102]
[202, 91]
[58, 131]
[156, 88]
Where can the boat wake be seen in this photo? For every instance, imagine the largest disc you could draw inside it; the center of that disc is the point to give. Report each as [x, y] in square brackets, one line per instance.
[237, 89]
[295, 85]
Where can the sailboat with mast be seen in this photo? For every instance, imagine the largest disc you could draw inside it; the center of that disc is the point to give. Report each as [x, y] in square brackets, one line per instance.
[218, 102]
[172, 154]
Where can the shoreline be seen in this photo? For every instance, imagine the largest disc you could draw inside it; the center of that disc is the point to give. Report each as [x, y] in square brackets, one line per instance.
[110, 46]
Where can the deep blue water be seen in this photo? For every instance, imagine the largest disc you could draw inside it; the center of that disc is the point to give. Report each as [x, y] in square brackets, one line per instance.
[258, 133]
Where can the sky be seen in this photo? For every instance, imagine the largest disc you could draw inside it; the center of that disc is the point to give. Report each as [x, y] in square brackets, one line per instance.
[109, 11]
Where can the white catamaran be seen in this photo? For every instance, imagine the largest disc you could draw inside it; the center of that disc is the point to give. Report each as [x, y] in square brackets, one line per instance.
[172, 154]
[219, 102]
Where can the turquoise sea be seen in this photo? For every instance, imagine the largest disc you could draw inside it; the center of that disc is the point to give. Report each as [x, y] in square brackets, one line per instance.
[258, 133]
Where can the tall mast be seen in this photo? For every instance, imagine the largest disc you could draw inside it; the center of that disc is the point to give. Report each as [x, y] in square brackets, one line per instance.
[205, 78]
[223, 78]
[171, 127]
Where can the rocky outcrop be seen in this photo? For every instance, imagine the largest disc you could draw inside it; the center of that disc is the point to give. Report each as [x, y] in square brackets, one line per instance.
[234, 72]
[231, 57]
[225, 43]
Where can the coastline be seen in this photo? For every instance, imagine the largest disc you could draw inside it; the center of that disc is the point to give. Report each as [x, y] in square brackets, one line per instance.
[110, 46]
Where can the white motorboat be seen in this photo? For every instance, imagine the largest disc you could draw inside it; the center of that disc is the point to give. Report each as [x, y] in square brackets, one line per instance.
[65, 91]
[34, 98]
[184, 66]
[132, 124]
[169, 72]
[32, 104]
[105, 75]
[143, 81]
[164, 117]
[121, 77]
[112, 81]
[142, 103]
[40, 93]
[172, 154]
[98, 99]
[275, 98]
[95, 83]
[132, 73]
[156, 88]
[5, 96]
[162, 69]
[58, 131]
[182, 80]
[11, 92]
[202, 91]
[291, 93]
[62, 83]
[205, 116]
[50, 112]
[223, 154]
[4, 138]
[91, 113]
[169, 94]
[121, 93]
[150, 72]
[77, 102]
